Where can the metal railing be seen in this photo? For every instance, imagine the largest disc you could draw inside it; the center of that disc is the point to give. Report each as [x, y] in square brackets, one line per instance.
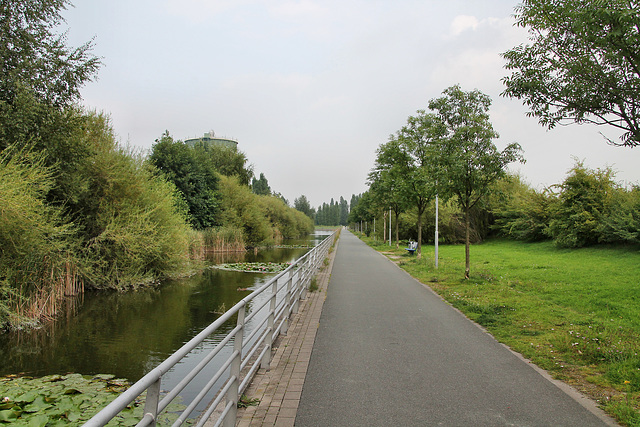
[283, 293]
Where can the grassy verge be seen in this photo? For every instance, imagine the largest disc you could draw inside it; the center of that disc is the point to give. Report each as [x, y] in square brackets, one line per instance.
[575, 313]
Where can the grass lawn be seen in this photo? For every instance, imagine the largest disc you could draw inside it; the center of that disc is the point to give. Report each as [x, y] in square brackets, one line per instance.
[575, 313]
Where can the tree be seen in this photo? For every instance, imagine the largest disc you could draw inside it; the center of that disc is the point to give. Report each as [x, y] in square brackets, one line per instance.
[583, 65]
[468, 161]
[362, 209]
[344, 211]
[385, 182]
[302, 204]
[226, 161]
[409, 162]
[584, 202]
[33, 56]
[193, 176]
[261, 186]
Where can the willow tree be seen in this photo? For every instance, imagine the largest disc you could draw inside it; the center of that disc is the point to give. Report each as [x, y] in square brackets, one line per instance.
[468, 161]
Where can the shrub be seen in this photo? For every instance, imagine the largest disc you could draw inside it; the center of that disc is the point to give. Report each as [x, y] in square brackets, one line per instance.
[521, 212]
[139, 233]
[582, 205]
[622, 225]
[37, 262]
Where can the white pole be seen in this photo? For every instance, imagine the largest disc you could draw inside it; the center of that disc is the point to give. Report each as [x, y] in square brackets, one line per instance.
[389, 226]
[436, 231]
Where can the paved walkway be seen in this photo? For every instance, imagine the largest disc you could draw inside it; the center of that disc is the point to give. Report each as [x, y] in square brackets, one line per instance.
[386, 350]
[280, 388]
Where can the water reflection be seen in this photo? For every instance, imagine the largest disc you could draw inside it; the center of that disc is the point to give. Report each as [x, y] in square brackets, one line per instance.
[127, 334]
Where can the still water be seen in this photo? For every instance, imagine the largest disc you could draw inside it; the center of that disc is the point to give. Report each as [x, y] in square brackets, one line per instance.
[128, 334]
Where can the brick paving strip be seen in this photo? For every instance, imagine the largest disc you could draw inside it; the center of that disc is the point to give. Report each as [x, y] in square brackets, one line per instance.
[279, 389]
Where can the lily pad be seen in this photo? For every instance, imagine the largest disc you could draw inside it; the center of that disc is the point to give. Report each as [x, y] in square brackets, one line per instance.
[255, 267]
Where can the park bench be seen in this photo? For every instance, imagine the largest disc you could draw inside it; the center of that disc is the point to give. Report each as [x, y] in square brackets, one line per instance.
[412, 247]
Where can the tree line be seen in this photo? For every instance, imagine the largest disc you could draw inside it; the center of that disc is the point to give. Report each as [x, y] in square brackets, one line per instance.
[77, 209]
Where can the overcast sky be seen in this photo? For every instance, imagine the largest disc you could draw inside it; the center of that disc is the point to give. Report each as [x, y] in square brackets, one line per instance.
[311, 88]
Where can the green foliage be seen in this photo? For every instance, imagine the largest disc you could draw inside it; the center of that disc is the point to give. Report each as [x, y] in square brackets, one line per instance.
[289, 223]
[226, 161]
[138, 233]
[70, 399]
[223, 239]
[333, 213]
[264, 220]
[521, 212]
[362, 207]
[193, 175]
[583, 204]
[302, 204]
[255, 267]
[34, 56]
[76, 208]
[622, 225]
[468, 161]
[35, 244]
[261, 186]
[581, 65]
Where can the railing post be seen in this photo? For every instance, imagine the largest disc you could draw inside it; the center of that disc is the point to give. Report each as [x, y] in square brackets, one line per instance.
[295, 303]
[287, 304]
[151, 402]
[266, 360]
[232, 394]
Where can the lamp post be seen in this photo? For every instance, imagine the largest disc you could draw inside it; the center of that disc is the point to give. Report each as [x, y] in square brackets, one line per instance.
[389, 226]
[436, 257]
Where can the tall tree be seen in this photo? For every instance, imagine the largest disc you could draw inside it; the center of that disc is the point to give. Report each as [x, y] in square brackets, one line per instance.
[192, 175]
[344, 211]
[582, 66]
[261, 186]
[302, 204]
[468, 160]
[409, 159]
[385, 183]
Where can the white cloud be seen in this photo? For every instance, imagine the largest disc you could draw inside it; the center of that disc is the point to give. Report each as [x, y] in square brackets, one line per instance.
[462, 23]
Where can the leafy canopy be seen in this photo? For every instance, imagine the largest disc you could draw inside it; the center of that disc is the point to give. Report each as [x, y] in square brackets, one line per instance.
[583, 64]
[34, 56]
[468, 160]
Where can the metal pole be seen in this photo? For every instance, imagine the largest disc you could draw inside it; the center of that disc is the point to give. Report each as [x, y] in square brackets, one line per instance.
[374, 228]
[389, 226]
[436, 231]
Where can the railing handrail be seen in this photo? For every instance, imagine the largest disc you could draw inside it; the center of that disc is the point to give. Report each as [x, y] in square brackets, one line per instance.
[301, 269]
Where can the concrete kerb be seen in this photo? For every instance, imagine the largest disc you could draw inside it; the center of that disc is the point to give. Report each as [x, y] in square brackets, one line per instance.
[279, 389]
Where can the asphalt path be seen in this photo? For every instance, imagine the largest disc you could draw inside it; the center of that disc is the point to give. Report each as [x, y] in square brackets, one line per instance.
[390, 352]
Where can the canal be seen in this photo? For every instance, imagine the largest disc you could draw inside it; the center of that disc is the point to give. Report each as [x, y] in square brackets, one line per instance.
[128, 334]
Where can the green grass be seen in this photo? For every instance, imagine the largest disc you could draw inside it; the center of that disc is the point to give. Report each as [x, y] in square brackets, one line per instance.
[575, 313]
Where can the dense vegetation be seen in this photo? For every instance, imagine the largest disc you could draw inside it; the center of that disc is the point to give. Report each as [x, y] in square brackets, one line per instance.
[81, 211]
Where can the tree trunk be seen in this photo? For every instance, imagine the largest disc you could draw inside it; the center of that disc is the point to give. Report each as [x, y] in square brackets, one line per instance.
[467, 261]
[384, 228]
